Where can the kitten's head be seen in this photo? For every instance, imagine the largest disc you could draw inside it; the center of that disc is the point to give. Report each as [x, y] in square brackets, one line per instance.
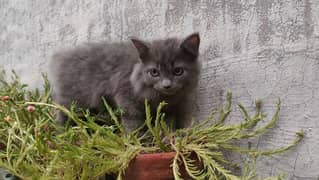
[167, 66]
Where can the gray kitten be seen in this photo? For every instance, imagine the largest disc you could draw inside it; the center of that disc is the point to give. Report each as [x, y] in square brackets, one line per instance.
[128, 73]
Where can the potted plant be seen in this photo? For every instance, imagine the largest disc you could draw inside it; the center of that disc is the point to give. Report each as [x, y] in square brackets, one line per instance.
[33, 146]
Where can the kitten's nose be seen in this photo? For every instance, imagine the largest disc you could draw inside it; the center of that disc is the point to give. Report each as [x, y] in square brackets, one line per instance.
[166, 83]
[167, 87]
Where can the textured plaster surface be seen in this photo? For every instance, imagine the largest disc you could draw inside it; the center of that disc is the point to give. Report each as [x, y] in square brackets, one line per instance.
[258, 49]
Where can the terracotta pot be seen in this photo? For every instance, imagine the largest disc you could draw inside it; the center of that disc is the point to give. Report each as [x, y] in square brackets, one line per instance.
[155, 166]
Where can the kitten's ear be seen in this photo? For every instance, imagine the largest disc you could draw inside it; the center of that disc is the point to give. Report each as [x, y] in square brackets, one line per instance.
[141, 47]
[191, 44]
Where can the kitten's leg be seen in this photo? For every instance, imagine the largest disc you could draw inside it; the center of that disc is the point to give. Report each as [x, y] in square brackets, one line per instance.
[183, 115]
[184, 120]
[61, 118]
[133, 115]
[131, 122]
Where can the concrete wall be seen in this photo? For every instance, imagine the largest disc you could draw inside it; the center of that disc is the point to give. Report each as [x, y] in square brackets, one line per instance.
[258, 49]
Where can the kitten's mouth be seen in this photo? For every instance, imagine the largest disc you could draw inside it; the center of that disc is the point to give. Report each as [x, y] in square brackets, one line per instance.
[168, 92]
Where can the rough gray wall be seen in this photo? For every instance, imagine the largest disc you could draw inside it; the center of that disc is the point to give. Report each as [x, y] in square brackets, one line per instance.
[258, 49]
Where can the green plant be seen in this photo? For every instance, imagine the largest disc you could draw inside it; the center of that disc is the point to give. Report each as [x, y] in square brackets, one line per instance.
[33, 146]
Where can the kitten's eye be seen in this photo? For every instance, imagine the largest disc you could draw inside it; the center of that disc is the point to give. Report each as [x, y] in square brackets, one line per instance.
[178, 71]
[154, 72]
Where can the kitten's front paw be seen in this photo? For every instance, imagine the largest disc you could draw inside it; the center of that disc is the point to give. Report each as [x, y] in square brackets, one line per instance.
[130, 124]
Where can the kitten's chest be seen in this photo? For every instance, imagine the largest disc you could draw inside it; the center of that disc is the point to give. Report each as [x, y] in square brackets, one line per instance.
[171, 102]
[154, 99]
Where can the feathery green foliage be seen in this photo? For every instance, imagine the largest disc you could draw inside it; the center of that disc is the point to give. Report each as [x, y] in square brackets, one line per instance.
[33, 146]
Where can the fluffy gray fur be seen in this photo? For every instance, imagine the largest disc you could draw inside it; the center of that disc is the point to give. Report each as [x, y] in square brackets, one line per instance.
[128, 73]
